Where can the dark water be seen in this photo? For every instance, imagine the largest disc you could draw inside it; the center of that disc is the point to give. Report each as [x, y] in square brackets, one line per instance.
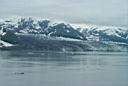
[32, 68]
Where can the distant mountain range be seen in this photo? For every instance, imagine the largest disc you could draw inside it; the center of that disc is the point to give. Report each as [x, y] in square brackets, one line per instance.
[27, 33]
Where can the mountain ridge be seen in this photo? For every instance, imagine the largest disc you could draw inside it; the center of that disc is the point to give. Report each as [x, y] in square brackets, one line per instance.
[61, 33]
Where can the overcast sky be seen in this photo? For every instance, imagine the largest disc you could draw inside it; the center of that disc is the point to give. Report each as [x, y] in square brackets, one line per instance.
[101, 12]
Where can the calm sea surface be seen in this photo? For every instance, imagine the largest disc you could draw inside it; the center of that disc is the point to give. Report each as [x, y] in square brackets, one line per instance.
[36, 68]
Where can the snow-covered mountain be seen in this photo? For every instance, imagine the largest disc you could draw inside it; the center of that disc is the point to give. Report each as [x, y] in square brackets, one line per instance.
[45, 27]
[113, 34]
[54, 35]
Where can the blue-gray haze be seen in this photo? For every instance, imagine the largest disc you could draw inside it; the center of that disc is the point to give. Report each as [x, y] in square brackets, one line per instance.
[101, 12]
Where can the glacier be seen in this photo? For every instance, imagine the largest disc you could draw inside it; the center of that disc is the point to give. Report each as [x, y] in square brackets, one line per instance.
[47, 35]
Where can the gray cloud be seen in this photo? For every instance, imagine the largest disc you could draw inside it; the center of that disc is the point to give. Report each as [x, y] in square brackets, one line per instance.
[101, 12]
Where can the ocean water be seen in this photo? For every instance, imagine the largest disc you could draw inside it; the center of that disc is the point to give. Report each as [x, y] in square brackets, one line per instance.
[37, 68]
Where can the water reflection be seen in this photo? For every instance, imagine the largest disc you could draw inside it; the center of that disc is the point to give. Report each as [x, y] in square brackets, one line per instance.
[39, 57]
[99, 59]
[20, 68]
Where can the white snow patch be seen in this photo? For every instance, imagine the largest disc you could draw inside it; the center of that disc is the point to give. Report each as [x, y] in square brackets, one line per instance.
[67, 39]
[23, 31]
[5, 44]
[67, 31]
